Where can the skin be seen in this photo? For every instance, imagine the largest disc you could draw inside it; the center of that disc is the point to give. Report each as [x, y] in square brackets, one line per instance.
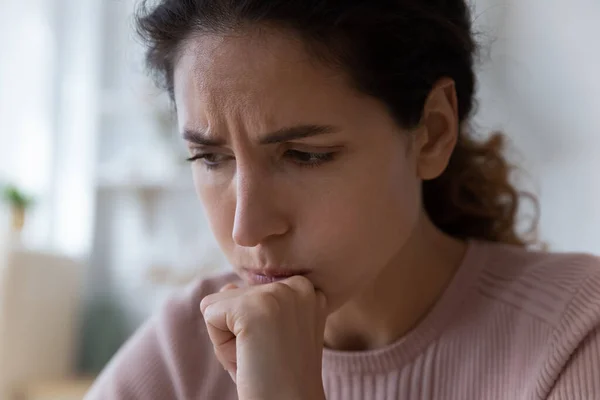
[342, 205]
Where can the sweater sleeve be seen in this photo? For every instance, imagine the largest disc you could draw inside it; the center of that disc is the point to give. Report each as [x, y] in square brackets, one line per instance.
[580, 379]
[169, 357]
[579, 342]
[140, 370]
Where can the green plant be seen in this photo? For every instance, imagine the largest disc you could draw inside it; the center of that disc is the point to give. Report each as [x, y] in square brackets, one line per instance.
[16, 198]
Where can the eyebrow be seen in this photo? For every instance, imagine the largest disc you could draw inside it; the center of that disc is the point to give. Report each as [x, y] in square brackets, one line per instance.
[278, 136]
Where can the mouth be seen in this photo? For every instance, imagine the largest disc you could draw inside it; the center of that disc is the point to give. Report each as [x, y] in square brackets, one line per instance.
[261, 277]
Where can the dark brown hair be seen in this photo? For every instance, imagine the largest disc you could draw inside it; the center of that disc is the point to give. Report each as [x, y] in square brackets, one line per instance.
[393, 50]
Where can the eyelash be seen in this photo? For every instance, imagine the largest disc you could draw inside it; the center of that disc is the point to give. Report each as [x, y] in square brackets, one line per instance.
[204, 156]
[318, 158]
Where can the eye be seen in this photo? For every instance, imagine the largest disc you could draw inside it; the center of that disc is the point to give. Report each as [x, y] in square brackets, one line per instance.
[210, 160]
[309, 159]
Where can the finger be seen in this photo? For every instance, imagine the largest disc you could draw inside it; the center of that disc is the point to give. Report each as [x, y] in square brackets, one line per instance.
[227, 357]
[217, 321]
[300, 285]
[229, 286]
[216, 311]
[226, 292]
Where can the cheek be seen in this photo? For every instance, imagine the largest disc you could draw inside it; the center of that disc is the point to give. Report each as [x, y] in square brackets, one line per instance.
[376, 219]
[363, 226]
[378, 205]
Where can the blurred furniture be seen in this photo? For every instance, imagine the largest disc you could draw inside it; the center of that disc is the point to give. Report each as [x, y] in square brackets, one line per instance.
[39, 305]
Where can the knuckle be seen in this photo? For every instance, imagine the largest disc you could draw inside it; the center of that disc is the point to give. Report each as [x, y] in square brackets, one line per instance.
[302, 284]
[209, 315]
[302, 287]
[266, 303]
[205, 303]
[279, 290]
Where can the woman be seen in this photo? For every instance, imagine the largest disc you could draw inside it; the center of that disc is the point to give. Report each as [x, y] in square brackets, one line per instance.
[373, 240]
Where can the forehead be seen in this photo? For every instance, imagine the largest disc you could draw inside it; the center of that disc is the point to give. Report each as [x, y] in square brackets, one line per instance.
[269, 71]
[252, 55]
[266, 81]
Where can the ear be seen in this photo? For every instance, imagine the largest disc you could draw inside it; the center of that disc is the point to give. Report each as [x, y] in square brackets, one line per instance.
[439, 130]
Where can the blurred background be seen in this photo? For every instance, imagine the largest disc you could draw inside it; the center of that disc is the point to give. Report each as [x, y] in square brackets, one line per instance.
[99, 222]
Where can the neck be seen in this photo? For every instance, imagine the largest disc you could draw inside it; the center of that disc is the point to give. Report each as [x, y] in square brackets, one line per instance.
[402, 294]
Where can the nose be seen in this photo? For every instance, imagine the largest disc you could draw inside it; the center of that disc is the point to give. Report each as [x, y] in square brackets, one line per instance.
[258, 212]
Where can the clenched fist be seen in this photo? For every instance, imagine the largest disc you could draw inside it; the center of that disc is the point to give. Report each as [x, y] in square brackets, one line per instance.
[269, 338]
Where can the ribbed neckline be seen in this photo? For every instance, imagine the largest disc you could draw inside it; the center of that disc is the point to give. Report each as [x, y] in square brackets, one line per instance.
[403, 351]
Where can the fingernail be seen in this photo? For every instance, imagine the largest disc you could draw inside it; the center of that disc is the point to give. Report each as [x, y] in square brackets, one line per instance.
[229, 286]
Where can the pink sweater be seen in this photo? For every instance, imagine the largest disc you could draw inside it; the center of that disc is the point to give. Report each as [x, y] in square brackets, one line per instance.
[511, 325]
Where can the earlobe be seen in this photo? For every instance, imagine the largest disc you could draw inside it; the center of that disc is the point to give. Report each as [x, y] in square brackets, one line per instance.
[440, 126]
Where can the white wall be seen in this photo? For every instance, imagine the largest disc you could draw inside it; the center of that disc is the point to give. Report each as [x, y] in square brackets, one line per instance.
[27, 50]
[49, 57]
[77, 97]
[541, 85]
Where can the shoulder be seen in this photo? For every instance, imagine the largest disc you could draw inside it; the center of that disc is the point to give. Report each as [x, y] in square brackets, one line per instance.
[559, 290]
[552, 286]
[564, 269]
[551, 304]
[170, 356]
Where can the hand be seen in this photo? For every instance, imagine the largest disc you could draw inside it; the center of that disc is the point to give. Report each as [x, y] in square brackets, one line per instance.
[269, 338]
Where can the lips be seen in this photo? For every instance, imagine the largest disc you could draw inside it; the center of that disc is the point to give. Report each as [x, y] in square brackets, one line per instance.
[261, 277]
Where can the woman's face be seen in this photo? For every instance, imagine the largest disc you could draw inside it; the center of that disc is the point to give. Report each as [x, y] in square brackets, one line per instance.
[297, 171]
